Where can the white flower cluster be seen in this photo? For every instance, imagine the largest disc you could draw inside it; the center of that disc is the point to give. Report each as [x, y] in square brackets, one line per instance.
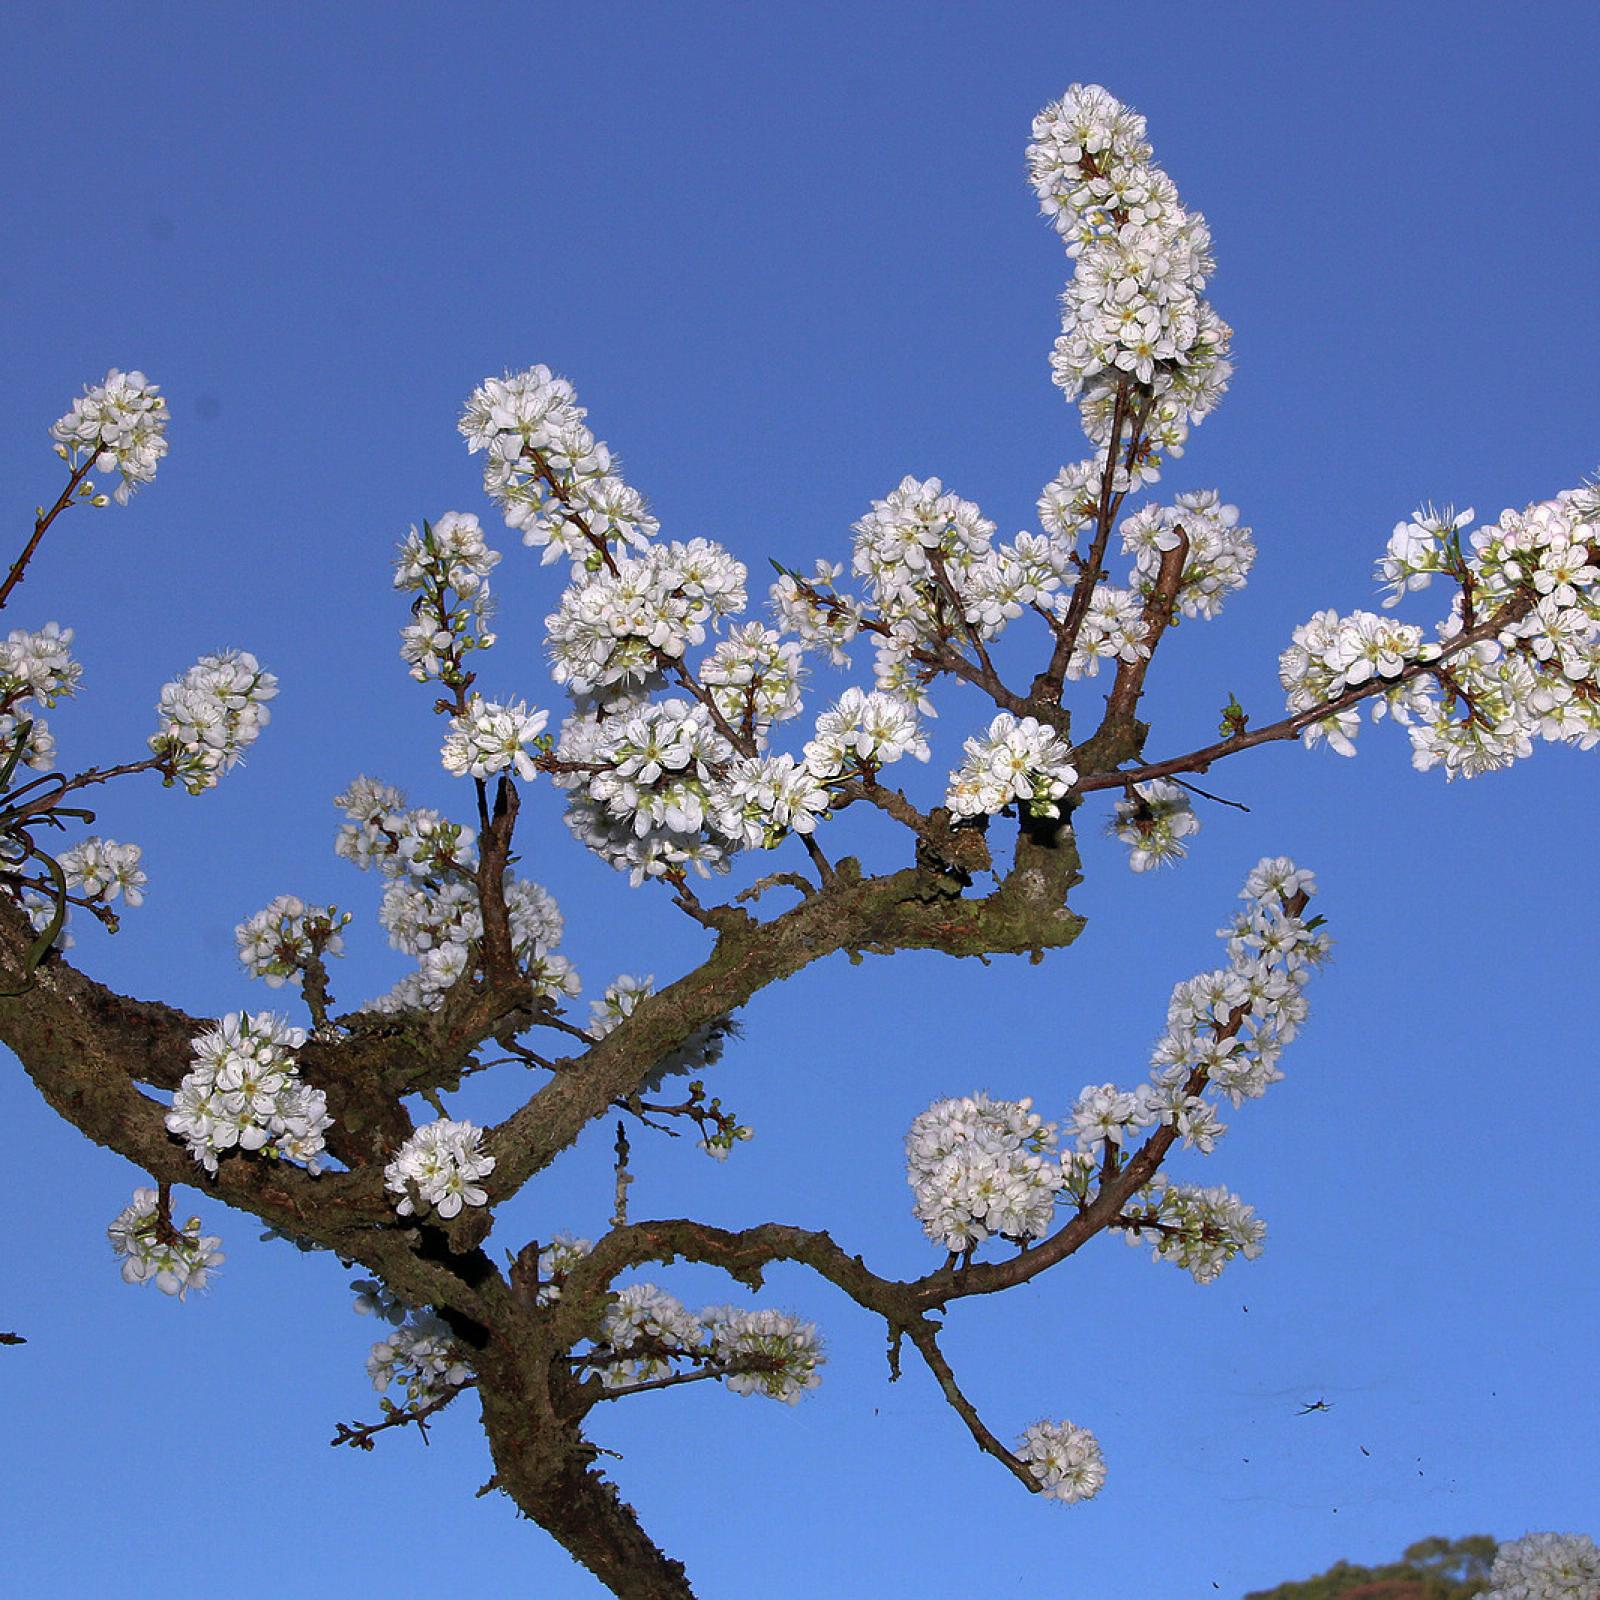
[642, 781]
[244, 1092]
[817, 612]
[431, 908]
[447, 565]
[102, 869]
[648, 1334]
[980, 1167]
[625, 624]
[493, 738]
[1153, 822]
[552, 478]
[281, 940]
[1070, 504]
[1476, 709]
[1017, 760]
[421, 1356]
[761, 799]
[1218, 559]
[35, 667]
[40, 910]
[754, 676]
[556, 1260]
[1113, 629]
[209, 716]
[1065, 1459]
[645, 1330]
[152, 1250]
[122, 423]
[1134, 308]
[862, 732]
[1331, 654]
[1234, 1022]
[936, 577]
[1426, 544]
[780, 1354]
[438, 1168]
[1546, 1566]
[1200, 1230]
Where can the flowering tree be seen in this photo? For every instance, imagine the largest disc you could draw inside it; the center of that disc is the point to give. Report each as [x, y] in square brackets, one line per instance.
[333, 1129]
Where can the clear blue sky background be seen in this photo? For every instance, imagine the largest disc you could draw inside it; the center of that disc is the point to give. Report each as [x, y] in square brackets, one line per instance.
[787, 255]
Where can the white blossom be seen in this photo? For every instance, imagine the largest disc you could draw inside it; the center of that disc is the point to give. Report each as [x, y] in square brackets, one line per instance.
[211, 715]
[37, 665]
[1065, 1459]
[1016, 760]
[244, 1092]
[1154, 822]
[439, 1167]
[1134, 308]
[783, 1351]
[421, 1356]
[122, 424]
[153, 1250]
[492, 738]
[1546, 1566]
[980, 1167]
[624, 624]
[280, 941]
[102, 869]
[1217, 560]
[556, 483]
[1200, 1230]
[863, 731]
[644, 1329]
[556, 1260]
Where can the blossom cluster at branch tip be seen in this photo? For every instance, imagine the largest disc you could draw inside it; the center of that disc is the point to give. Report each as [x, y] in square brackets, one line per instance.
[625, 624]
[1546, 1566]
[1153, 821]
[1065, 1459]
[438, 1168]
[280, 941]
[36, 669]
[863, 732]
[1217, 559]
[1134, 308]
[779, 1352]
[153, 1250]
[555, 482]
[120, 422]
[1528, 584]
[244, 1092]
[421, 1356]
[210, 716]
[556, 1260]
[1017, 761]
[1200, 1230]
[447, 565]
[102, 869]
[982, 1168]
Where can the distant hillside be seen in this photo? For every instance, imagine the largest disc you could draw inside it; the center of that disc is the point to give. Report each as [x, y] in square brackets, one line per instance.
[1431, 1569]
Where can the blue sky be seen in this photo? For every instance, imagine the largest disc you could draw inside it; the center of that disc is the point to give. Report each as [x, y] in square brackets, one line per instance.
[787, 255]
